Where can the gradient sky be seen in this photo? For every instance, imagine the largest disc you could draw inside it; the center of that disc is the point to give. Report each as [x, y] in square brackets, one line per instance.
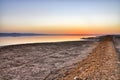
[60, 16]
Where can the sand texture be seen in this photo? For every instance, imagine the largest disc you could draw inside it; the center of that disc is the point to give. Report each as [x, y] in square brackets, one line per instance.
[101, 64]
[96, 59]
[36, 61]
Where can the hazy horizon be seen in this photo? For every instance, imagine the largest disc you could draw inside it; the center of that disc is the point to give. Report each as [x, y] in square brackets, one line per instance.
[37, 21]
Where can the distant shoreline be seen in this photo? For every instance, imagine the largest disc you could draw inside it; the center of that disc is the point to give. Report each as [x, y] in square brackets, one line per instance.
[95, 38]
[46, 41]
[38, 34]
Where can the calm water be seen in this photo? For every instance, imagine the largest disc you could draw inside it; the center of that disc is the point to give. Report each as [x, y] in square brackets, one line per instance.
[37, 39]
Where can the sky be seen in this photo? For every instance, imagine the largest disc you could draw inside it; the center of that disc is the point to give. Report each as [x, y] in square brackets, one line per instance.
[60, 16]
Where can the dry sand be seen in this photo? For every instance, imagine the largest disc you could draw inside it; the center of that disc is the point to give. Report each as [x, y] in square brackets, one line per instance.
[61, 61]
[101, 64]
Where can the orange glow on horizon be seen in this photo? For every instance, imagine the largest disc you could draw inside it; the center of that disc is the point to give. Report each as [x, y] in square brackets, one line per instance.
[64, 29]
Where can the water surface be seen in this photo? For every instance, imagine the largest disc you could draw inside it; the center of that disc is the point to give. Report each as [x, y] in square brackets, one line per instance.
[37, 39]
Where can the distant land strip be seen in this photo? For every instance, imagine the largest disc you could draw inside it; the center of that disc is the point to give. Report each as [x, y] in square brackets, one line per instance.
[39, 34]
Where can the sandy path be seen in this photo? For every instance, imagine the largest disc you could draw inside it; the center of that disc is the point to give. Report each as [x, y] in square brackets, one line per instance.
[101, 64]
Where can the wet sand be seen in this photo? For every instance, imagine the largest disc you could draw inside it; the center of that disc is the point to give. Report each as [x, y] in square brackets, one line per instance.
[61, 61]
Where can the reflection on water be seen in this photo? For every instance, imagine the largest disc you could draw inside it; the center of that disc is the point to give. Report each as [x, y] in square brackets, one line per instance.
[37, 39]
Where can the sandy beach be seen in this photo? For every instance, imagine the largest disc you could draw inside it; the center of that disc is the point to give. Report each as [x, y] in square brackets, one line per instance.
[61, 60]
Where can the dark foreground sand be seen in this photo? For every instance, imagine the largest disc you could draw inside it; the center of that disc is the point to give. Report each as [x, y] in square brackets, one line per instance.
[45, 61]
